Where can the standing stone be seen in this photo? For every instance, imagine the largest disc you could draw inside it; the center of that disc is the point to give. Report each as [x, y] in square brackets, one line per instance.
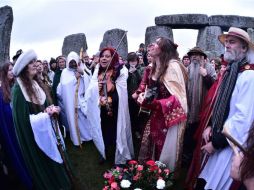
[251, 34]
[74, 43]
[182, 21]
[153, 32]
[6, 20]
[111, 38]
[226, 21]
[208, 40]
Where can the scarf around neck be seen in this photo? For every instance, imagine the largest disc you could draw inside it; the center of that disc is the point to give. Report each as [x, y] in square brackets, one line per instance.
[222, 103]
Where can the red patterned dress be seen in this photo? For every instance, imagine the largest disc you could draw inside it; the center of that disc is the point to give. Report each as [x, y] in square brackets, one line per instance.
[166, 111]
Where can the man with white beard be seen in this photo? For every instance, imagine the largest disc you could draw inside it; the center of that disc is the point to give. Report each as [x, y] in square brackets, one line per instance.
[201, 76]
[232, 111]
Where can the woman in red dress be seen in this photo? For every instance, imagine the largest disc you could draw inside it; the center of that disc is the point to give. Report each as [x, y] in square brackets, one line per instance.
[165, 96]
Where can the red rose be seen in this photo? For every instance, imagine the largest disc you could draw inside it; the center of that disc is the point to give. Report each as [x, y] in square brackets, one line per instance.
[150, 163]
[111, 180]
[114, 185]
[140, 168]
[154, 168]
[132, 162]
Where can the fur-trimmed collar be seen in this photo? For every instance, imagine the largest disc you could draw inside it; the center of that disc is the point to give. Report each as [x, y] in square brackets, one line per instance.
[38, 90]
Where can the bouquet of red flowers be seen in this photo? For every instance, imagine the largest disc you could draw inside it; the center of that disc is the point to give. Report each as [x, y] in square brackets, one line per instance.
[152, 175]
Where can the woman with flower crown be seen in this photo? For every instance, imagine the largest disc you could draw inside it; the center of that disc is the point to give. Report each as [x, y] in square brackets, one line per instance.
[165, 96]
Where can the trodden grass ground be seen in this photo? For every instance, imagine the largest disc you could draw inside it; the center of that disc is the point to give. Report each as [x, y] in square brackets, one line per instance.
[89, 172]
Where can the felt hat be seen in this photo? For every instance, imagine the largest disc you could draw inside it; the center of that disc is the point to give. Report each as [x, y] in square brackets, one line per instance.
[196, 50]
[239, 33]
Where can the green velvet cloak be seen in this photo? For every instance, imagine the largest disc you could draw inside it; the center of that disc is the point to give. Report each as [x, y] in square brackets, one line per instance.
[45, 173]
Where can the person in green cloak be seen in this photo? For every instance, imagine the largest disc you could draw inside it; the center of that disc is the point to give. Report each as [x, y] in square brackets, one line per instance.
[35, 129]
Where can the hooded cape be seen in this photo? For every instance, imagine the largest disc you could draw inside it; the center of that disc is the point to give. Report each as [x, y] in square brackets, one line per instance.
[124, 146]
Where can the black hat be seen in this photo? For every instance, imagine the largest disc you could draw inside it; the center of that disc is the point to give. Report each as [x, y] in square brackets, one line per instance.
[18, 53]
[141, 45]
[197, 50]
[52, 60]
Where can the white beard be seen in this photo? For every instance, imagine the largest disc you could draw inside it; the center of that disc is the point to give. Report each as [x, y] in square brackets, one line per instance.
[229, 56]
[233, 56]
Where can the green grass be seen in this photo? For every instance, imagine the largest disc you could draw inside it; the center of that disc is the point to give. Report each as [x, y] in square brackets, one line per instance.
[86, 166]
[89, 173]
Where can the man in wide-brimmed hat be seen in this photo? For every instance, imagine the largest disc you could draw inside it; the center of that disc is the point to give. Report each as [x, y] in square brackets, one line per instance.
[232, 111]
[197, 51]
[201, 76]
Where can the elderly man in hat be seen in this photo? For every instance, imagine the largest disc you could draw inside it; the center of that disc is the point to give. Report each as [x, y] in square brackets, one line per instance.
[201, 76]
[232, 111]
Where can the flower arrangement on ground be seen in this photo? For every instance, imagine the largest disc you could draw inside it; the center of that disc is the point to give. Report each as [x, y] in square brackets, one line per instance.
[150, 176]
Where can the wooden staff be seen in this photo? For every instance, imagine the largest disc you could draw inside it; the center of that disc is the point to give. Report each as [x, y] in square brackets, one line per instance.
[76, 113]
[76, 104]
[61, 149]
[233, 142]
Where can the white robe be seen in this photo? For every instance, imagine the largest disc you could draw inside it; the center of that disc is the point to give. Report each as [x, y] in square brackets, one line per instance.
[43, 131]
[66, 94]
[124, 146]
[44, 135]
[241, 115]
[87, 74]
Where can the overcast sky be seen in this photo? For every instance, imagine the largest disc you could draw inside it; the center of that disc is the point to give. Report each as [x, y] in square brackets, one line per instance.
[42, 24]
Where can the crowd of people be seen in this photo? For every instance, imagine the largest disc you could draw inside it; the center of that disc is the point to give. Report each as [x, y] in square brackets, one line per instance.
[194, 113]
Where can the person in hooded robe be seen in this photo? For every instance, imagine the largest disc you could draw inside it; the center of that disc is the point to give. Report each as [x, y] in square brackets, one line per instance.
[71, 94]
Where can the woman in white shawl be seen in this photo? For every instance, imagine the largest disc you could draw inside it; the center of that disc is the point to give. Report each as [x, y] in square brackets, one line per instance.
[107, 108]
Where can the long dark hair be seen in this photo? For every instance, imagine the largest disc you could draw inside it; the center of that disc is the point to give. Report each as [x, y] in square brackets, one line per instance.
[27, 82]
[168, 52]
[6, 84]
[247, 165]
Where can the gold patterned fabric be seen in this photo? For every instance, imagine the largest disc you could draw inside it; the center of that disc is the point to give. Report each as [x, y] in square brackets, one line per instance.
[169, 109]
